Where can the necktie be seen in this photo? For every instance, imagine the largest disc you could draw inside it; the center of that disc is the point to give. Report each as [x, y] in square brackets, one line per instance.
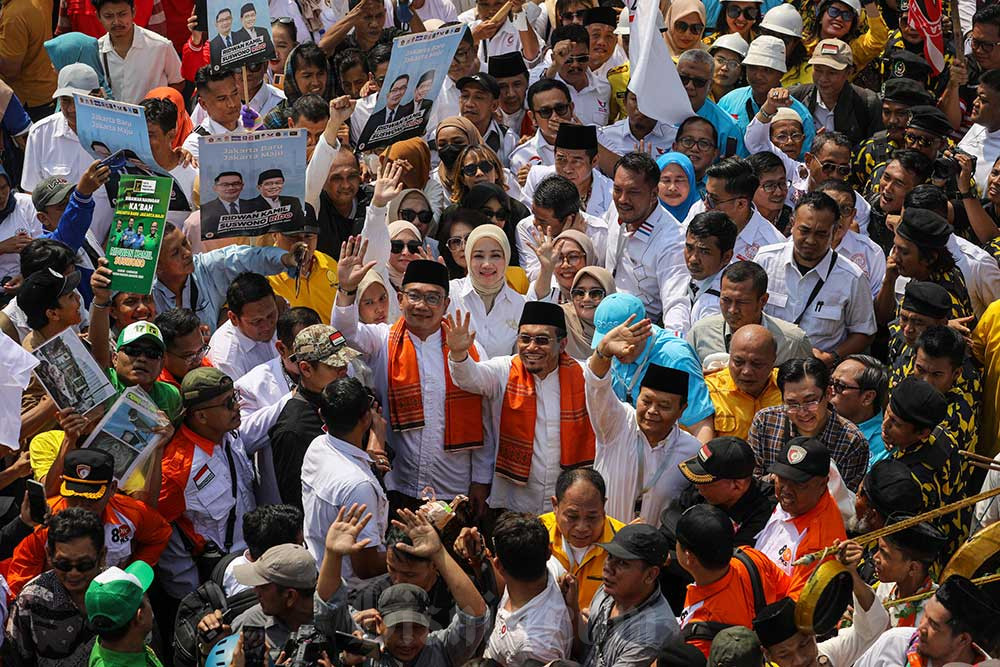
[693, 286]
[389, 113]
[233, 209]
[229, 40]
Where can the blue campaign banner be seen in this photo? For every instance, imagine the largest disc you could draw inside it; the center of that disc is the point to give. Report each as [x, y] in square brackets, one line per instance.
[116, 132]
[239, 33]
[252, 183]
[417, 69]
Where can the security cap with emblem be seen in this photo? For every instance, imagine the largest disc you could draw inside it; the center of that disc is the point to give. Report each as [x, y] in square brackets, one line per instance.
[141, 330]
[833, 53]
[916, 402]
[204, 384]
[324, 344]
[904, 64]
[775, 623]
[404, 603]
[51, 191]
[87, 473]
[923, 227]
[638, 541]
[115, 595]
[801, 459]
[286, 565]
[737, 646]
[927, 299]
[929, 119]
[726, 457]
[890, 487]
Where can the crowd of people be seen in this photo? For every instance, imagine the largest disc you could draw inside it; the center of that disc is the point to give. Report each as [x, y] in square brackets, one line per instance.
[555, 381]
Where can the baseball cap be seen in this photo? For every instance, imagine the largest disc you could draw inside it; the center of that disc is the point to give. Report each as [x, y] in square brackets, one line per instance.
[483, 80]
[43, 287]
[87, 473]
[76, 78]
[404, 603]
[732, 42]
[832, 53]
[801, 459]
[51, 191]
[612, 311]
[115, 595]
[638, 542]
[141, 330]
[726, 457]
[322, 343]
[204, 384]
[737, 646]
[288, 565]
[767, 51]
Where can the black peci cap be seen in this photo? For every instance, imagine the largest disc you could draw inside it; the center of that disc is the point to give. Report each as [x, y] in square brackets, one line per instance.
[923, 227]
[891, 488]
[926, 298]
[916, 402]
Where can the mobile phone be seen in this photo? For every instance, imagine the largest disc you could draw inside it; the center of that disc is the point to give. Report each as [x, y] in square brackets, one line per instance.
[254, 646]
[116, 159]
[36, 501]
[313, 651]
[356, 645]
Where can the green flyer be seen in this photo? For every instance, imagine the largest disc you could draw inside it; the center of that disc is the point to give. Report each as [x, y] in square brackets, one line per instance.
[134, 242]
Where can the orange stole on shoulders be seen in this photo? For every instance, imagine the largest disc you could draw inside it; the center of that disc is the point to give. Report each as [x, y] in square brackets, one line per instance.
[463, 411]
[517, 421]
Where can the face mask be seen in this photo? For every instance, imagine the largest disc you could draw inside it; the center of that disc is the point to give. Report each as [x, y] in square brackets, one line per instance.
[449, 154]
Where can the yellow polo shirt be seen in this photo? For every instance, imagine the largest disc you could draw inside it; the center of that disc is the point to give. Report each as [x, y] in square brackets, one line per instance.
[986, 348]
[734, 409]
[318, 291]
[589, 573]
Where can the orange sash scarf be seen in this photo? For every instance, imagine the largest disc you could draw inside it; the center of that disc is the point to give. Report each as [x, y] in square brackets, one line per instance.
[463, 422]
[517, 421]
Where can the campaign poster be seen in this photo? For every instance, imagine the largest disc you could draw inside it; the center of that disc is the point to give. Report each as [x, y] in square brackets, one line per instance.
[413, 81]
[107, 128]
[136, 232]
[252, 182]
[239, 33]
[127, 432]
[69, 374]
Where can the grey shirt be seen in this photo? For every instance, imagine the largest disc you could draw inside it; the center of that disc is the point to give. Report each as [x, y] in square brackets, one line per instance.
[632, 639]
[276, 631]
[712, 335]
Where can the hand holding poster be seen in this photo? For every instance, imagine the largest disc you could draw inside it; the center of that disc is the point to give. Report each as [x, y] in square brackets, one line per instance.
[70, 375]
[129, 432]
[413, 81]
[106, 127]
[251, 182]
[239, 33]
[134, 242]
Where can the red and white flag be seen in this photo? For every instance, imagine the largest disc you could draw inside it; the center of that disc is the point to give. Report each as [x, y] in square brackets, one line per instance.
[924, 16]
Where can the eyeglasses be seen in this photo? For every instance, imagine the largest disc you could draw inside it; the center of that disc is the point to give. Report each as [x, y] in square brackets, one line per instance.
[772, 187]
[839, 387]
[570, 258]
[431, 299]
[595, 293]
[727, 62]
[585, 58]
[917, 140]
[135, 351]
[456, 242]
[711, 202]
[396, 247]
[410, 215]
[255, 67]
[559, 110]
[808, 406]
[837, 13]
[200, 354]
[569, 16]
[785, 137]
[693, 28]
[540, 341]
[696, 80]
[283, 20]
[841, 169]
[499, 215]
[470, 169]
[983, 45]
[749, 13]
[702, 144]
[82, 566]
[846, 210]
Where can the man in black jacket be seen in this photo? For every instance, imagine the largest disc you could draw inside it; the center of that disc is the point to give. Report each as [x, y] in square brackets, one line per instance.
[835, 103]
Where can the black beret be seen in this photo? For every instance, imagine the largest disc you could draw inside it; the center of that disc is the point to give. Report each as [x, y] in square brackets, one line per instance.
[924, 227]
[918, 403]
[891, 487]
[576, 137]
[543, 313]
[507, 64]
[426, 271]
[930, 119]
[923, 540]
[669, 380]
[903, 63]
[906, 91]
[926, 298]
[775, 623]
[601, 15]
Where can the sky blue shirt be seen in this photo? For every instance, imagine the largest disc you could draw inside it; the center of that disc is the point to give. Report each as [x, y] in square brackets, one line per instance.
[725, 126]
[873, 433]
[714, 7]
[735, 103]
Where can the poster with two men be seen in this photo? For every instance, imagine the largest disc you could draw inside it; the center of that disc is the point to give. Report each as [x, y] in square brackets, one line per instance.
[239, 32]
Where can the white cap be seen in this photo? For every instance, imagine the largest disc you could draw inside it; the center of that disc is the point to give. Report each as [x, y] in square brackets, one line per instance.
[76, 78]
[732, 42]
[786, 113]
[853, 4]
[784, 19]
[623, 27]
[766, 51]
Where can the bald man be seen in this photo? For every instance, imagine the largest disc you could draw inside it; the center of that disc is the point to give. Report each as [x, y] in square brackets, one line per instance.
[747, 384]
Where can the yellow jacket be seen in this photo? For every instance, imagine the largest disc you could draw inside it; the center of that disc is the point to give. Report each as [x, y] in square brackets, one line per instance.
[589, 574]
[865, 47]
[734, 409]
[318, 291]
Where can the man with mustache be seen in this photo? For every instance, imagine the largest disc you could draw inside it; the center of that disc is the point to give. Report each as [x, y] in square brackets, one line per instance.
[898, 97]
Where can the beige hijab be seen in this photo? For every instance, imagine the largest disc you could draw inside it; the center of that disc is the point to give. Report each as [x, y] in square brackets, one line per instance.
[580, 333]
[581, 240]
[465, 126]
[395, 229]
[487, 232]
[679, 9]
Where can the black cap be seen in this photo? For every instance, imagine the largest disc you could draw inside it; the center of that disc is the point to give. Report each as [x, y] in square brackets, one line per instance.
[918, 403]
[926, 298]
[891, 487]
[923, 540]
[638, 541]
[483, 80]
[87, 473]
[678, 653]
[426, 271]
[727, 457]
[543, 313]
[775, 623]
[906, 91]
[929, 119]
[903, 63]
[507, 64]
[801, 459]
[973, 605]
[576, 137]
[923, 227]
[43, 287]
[269, 173]
[663, 378]
[707, 531]
[601, 15]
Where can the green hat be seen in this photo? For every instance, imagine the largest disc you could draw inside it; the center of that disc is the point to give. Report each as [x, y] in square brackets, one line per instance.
[115, 595]
[204, 384]
[141, 330]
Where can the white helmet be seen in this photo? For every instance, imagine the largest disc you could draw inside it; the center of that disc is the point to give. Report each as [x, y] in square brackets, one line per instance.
[783, 19]
[731, 41]
[853, 4]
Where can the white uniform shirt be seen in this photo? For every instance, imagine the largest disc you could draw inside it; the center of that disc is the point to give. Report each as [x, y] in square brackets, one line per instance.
[16, 365]
[262, 386]
[868, 256]
[757, 233]
[540, 630]
[889, 650]
[533, 151]
[980, 270]
[420, 457]
[624, 454]
[618, 137]
[191, 143]
[22, 220]
[53, 149]
[337, 474]
[704, 302]
[496, 331]
[263, 102]
[649, 263]
[507, 140]
[600, 189]
[507, 38]
[489, 378]
[842, 306]
[151, 62]
[591, 104]
[236, 354]
[985, 145]
[596, 231]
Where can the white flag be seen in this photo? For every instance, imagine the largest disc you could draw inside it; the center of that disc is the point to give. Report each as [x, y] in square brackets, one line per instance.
[653, 77]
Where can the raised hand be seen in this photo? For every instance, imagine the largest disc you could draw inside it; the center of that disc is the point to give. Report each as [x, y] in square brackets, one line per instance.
[341, 109]
[352, 266]
[622, 341]
[457, 334]
[470, 545]
[370, 86]
[389, 182]
[100, 282]
[426, 541]
[93, 178]
[342, 537]
[544, 249]
[776, 99]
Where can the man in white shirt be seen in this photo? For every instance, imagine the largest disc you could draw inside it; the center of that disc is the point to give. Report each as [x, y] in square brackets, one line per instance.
[624, 136]
[571, 65]
[511, 75]
[708, 247]
[479, 99]
[247, 338]
[220, 96]
[135, 59]
[538, 403]
[532, 623]
[645, 247]
[854, 246]
[983, 138]
[337, 473]
[263, 96]
[549, 103]
[811, 286]
[576, 159]
[605, 52]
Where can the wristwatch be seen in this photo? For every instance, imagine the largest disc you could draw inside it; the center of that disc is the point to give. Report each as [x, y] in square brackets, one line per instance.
[967, 195]
[767, 116]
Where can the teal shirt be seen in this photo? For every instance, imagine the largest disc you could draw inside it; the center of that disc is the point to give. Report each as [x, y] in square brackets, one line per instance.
[166, 396]
[104, 657]
[872, 430]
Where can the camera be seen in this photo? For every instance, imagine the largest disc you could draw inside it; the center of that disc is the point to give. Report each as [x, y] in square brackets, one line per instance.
[306, 646]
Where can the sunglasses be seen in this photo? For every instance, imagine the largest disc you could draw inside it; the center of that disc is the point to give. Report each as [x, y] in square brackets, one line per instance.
[135, 351]
[841, 169]
[396, 247]
[693, 28]
[569, 16]
[540, 341]
[917, 140]
[499, 215]
[585, 58]
[749, 13]
[983, 45]
[410, 215]
[230, 403]
[456, 242]
[80, 566]
[470, 169]
[595, 293]
[697, 81]
[559, 110]
[837, 13]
